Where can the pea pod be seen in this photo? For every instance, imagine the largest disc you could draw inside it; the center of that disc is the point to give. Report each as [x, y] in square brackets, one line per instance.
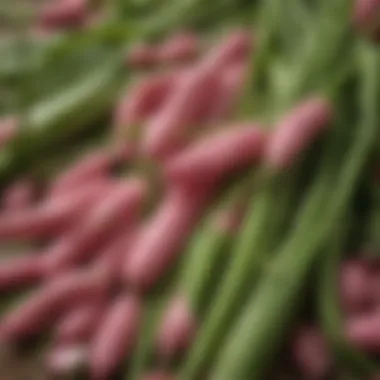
[66, 115]
[331, 318]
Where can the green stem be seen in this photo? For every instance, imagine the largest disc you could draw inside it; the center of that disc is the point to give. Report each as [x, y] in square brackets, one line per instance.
[259, 331]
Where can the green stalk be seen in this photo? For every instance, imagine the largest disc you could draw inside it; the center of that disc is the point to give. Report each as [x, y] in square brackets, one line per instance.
[259, 331]
[261, 231]
[209, 253]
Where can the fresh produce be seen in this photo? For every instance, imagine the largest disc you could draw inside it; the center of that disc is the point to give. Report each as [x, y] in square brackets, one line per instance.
[190, 191]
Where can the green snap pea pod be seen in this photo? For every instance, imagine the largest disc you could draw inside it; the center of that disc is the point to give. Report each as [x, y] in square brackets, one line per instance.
[66, 115]
[330, 315]
[143, 356]
[210, 252]
[261, 230]
[259, 331]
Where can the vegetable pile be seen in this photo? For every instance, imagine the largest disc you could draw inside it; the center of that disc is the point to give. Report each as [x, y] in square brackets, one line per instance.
[191, 193]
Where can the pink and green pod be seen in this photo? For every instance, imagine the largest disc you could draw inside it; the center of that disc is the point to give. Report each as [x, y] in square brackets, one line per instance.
[80, 323]
[19, 271]
[367, 18]
[140, 102]
[356, 286]
[66, 360]
[311, 354]
[232, 86]
[218, 154]
[50, 216]
[363, 331]
[115, 336]
[235, 48]
[62, 14]
[142, 56]
[40, 310]
[297, 131]
[93, 166]
[160, 240]
[177, 330]
[8, 129]
[120, 206]
[179, 48]
[19, 195]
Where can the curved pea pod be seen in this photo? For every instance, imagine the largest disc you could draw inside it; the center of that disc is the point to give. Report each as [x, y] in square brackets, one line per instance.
[177, 329]
[19, 195]
[20, 271]
[51, 216]
[142, 101]
[232, 86]
[93, 166]
[8, 129]
[161, 239]
[142, 56]
[168, 129]
[180, 47]
[115, 337]
[363, 331]
[66, 360]
[79, 324]
[63, 14]
[356, 291]
[234, 48]
[119, 207]
[311, 353]
[41, 309]
[158, 375]
[366, 17]
[297, 131]
[63, 116]
[218, 154]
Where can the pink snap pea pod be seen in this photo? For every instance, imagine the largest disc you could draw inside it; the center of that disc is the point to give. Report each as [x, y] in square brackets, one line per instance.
[232, 85]
[115, 337]
[235, 48]
[218, 154]
[141, 102]
[297, 131]
[142, 56]
[177, 330]
[19, 195]
[119, 207]
[366, 17]
[41, 309]
[65, 360]
[356, 290]
[58, 14]
[161, 239]
[181, 47]
[8, 129]
[51, 216]
[79, 324]
[168, 130]
[93, 166]
[363, 331]
[311, 354]
[115, 254]
[158, 375]
[20, 271]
